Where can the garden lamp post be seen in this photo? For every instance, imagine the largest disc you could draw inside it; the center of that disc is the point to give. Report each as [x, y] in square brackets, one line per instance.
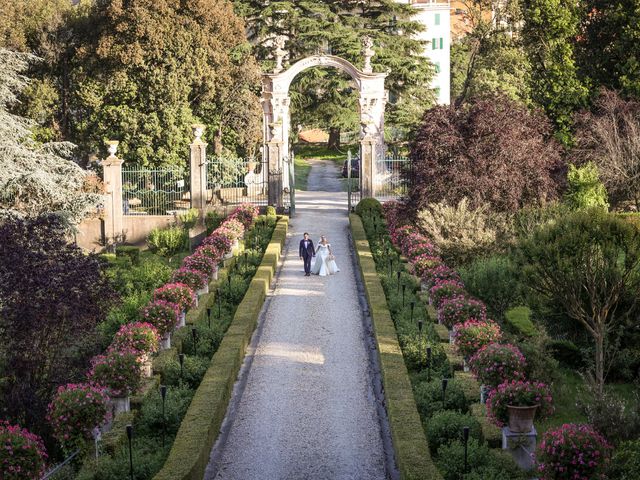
[209, 316]
[129, 437]
[445, 382]
[390, 266]
[181, 360]
[404, 287]
[413, 305]
[465, 436]
[420, 322]
[246, 261]
[398, 279]
[194, 335]
[163, 394]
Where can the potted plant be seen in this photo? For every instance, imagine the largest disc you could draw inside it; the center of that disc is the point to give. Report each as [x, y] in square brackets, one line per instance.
[421, 247]
[496, 363]
[164, 316]
[572, 451]
[235, 226]
[444, 289]
[119, 372]
[459, 309]
[422, 263]
[201, 263]
[22, 454]
[439, 272]
[472, 335]
[221, 240]
[177, 293]
[141, 337]
[76, 409]
[195, 279]
[516, 403]
[246, 213]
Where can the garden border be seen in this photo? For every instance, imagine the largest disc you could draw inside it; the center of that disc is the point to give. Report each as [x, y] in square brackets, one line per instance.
[409, 441]
[200, 426]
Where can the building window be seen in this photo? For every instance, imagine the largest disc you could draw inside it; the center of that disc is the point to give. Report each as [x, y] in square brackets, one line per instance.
[437, 19]
[437, 67]
[441, 43]
[437, 43]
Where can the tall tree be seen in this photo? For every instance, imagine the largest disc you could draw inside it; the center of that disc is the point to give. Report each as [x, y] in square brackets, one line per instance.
[338, 26]
[550, 31]
[609, 46]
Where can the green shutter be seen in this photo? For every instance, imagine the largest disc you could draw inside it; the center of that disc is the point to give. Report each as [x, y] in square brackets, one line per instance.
[437, 65]
[441, 43]
[434, 43]
[437, 19]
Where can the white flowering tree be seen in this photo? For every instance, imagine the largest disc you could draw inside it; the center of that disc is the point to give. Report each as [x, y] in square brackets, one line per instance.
[35, 178]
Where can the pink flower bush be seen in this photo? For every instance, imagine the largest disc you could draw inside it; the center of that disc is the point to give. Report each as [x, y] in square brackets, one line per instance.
[194, 279]
[439, 272]
[221, 239]
[119, 371]
[572, 452]
[444, 289]
[141, 337]
[22, 453]
[210, 251]
[234, 226]
[391, 211]
[76, 409]
[177, 293]
[518, 394]
[402, 236]
[420, 246]
[459, 309]
[161, 314]
[472, 335]
[496, 363]
[245, 213]
[424, 262]
[201, 263]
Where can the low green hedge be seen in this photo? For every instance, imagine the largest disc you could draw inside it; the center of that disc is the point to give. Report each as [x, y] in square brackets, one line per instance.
[192, 446]
[519, 320]
[409, 441]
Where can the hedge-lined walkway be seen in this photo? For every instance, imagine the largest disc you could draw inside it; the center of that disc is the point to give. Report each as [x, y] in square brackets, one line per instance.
[308, 408]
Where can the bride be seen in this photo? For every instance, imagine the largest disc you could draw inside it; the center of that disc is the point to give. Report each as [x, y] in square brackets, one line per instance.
[325, 263]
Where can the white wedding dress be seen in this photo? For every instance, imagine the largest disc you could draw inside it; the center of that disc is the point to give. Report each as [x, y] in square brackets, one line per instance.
[323, 266]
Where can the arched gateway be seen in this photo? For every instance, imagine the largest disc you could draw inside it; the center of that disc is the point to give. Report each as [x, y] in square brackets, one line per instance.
[275, 104]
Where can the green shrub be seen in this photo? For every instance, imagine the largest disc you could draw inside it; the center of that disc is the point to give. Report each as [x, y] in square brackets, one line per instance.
[149, 421]
[127, 312]
[428, 397]
[500, 466]
[194, 370]
[625, 462]
[368, 205]
[529, 219]
[567, 353]
[414, 350]
[584, 188]
[212, 221]
[519, 320]
[150, 274]
[494, 280]
[271, 211]
[167, 241]
[446, 426]
[130, 251]
[541, 366]
[207, 339]
[189, 218]
[450, 459]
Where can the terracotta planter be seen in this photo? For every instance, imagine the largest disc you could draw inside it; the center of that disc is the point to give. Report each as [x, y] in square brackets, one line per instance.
[521, 418]
[165, 341]
[120, 404]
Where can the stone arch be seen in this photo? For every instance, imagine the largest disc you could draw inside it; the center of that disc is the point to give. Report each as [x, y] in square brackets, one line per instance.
[276, 117]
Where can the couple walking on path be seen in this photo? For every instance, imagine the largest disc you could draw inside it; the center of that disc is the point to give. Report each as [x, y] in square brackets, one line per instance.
[325, 263]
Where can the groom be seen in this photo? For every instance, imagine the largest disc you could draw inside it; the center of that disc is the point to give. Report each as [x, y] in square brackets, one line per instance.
[307, 252]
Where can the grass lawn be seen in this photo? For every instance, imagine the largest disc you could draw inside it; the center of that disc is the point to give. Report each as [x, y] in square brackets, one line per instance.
[302, 169]
[322, 152]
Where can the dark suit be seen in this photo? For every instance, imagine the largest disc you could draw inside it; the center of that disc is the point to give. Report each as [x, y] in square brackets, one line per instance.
[307, 254]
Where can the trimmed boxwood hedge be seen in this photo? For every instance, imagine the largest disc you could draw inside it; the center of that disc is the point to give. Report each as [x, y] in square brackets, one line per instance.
[409, 441]
[190, 452]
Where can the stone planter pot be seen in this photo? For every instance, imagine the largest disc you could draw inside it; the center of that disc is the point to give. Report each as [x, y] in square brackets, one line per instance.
[165, 341]
[120, 404]
[204, 290]
[521, 418]
[197, 302]
[235, 245]
[228, 255]
[146, 366]
[484, 393]
[465, 365]
[214, 275]
[423, 287]
[182, 317]
[452, 339]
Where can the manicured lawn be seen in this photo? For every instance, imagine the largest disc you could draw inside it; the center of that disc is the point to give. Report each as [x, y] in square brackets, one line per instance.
[302, 169]
[322, 152]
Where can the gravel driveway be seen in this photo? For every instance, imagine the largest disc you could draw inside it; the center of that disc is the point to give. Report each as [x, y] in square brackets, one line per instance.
[307, 409]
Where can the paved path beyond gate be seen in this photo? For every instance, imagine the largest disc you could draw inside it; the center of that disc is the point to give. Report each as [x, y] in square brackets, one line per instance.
[308, 410]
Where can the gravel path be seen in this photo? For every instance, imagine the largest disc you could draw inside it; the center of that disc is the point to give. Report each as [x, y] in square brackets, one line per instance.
[307, 410]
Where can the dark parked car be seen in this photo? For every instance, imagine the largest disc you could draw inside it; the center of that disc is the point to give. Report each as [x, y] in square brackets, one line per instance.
[355, 168]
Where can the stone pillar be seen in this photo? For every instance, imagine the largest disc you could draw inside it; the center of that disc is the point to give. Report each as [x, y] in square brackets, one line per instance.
[368, 157]
[112, 174]
[198, 169]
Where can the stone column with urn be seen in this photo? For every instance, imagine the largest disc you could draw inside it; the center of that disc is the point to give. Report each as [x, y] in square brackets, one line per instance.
[198, 181]
[113, 211]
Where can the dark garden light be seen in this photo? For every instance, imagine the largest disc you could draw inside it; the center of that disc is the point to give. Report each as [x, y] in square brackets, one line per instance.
[390, 266]
[163, 394]
[445, 382]
[209, 316]
[130, 436]
[229, 281]
[413, 306]
[398, 281]
[420, 322]
[194, 335]
[181, 360]
[465, 436]
[404, 287]
[246, 260]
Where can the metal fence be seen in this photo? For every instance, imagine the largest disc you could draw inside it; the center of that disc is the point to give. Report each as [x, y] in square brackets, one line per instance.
[155, 191]
[232, 180]
[390, 180]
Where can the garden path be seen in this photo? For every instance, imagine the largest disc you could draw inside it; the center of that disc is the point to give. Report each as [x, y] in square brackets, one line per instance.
[305, 407]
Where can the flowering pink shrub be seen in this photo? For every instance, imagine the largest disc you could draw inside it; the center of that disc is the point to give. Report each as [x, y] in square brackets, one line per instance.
[210, 251]
[201, 263]
[391, 211]
[572, 452]
[141, 337]
[119, 371]
[496, 363]
[472, 335]
[194, 279]
[424, 262]
[245, 213]
[234, 226]
[459, 309]
[518, 394]
[221, 239]
[76, 409]
[161, 314]
[402, 236]
[444, 289]
[439, 272]
[177, 293]
[22, 453]
[419, 246]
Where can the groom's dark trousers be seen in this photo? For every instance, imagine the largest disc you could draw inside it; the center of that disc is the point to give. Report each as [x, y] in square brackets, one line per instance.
[307, 251]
